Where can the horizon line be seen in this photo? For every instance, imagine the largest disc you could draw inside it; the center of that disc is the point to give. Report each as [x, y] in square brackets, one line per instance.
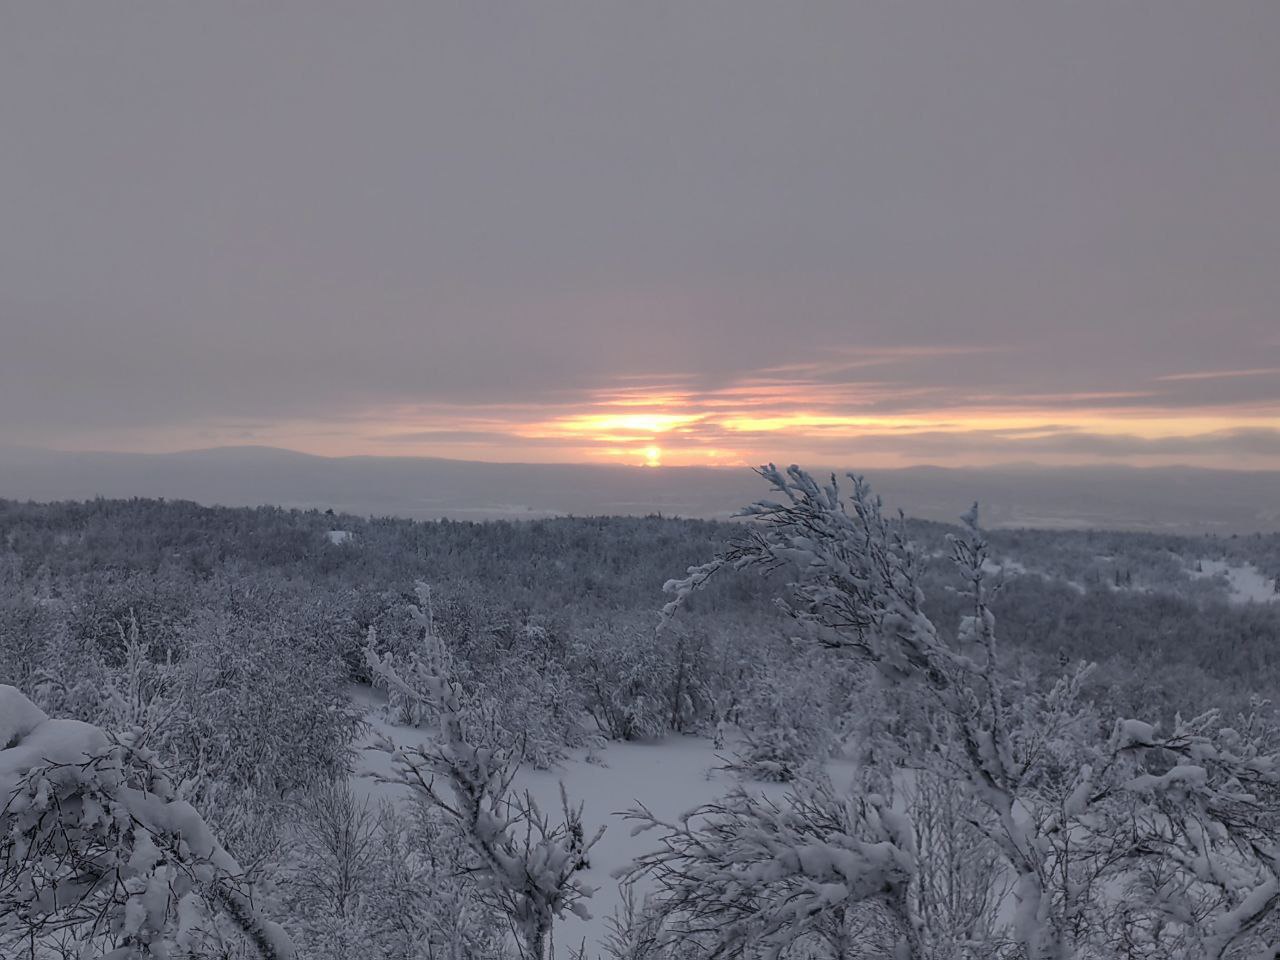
[641, 467]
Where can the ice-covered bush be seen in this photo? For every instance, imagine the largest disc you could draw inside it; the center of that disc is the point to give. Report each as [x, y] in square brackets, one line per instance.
[261, 706]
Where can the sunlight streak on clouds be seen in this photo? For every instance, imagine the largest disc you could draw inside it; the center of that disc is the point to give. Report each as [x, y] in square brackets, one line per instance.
[1221, 374]
[793, 413]
[873, 407]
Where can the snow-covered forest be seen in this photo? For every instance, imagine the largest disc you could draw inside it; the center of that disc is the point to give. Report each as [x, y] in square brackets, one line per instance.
[837, 733]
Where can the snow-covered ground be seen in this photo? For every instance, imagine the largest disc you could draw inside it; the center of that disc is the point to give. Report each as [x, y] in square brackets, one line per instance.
[669, 778]
[1008, 568]
[1245, 583]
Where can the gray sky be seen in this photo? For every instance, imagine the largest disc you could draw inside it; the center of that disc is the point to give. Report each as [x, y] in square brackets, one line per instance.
[707, 232]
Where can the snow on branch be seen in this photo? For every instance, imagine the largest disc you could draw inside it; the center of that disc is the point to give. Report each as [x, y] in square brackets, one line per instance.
[95, 839]
[746, 875]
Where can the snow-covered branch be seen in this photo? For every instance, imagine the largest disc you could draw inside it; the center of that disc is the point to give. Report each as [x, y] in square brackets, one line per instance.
[748, 876]
[96, 839]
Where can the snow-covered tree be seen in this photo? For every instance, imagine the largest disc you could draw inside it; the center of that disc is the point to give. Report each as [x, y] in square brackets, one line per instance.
[857, 591]
[1072, 815]
[622, 673]
[635, 929]
[1187, 825]
[525, 862]
[960, 882]
[97, 844]
[379, 883]
[333, 845]
[746, 876]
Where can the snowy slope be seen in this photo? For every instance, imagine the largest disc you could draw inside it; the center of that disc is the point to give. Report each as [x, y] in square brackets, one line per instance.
[1245, 583]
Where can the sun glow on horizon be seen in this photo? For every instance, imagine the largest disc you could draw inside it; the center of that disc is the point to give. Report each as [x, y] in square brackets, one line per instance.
[613, 425]
[887, 423]
[752, 419]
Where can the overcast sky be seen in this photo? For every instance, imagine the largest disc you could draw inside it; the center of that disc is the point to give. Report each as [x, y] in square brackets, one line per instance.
[707, 232]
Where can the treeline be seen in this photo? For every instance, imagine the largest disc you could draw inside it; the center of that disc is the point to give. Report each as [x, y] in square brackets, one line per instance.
[1126, 600]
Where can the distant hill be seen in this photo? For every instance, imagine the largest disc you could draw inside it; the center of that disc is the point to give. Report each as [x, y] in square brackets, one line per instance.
[1173, 499]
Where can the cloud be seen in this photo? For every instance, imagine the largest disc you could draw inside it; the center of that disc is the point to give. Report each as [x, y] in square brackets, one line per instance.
[781, 412]
[1221, 374]
[480, 234]
[1262, 443]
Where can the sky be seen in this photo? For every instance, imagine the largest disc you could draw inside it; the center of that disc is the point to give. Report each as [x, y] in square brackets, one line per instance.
[856, 233]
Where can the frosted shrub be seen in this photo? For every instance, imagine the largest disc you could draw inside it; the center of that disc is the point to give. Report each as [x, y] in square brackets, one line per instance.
[771, 753]
[261, 709]
[635, 929]
[373, 883]
[332, 847]
[62, 672]
[539, 707]
[636, 686]
[786, 723]
[688, 678]
[516, 692]
[1196, 812]
[620, 671]
[960, 881]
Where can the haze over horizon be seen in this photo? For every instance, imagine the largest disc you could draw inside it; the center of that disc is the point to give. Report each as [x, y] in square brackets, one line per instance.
[840, 468]
[715, 234]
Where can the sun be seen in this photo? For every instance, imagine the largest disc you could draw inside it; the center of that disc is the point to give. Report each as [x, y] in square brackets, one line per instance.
[653, 456]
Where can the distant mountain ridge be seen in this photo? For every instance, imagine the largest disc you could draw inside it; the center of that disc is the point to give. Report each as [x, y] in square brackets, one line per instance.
[1170, 499]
